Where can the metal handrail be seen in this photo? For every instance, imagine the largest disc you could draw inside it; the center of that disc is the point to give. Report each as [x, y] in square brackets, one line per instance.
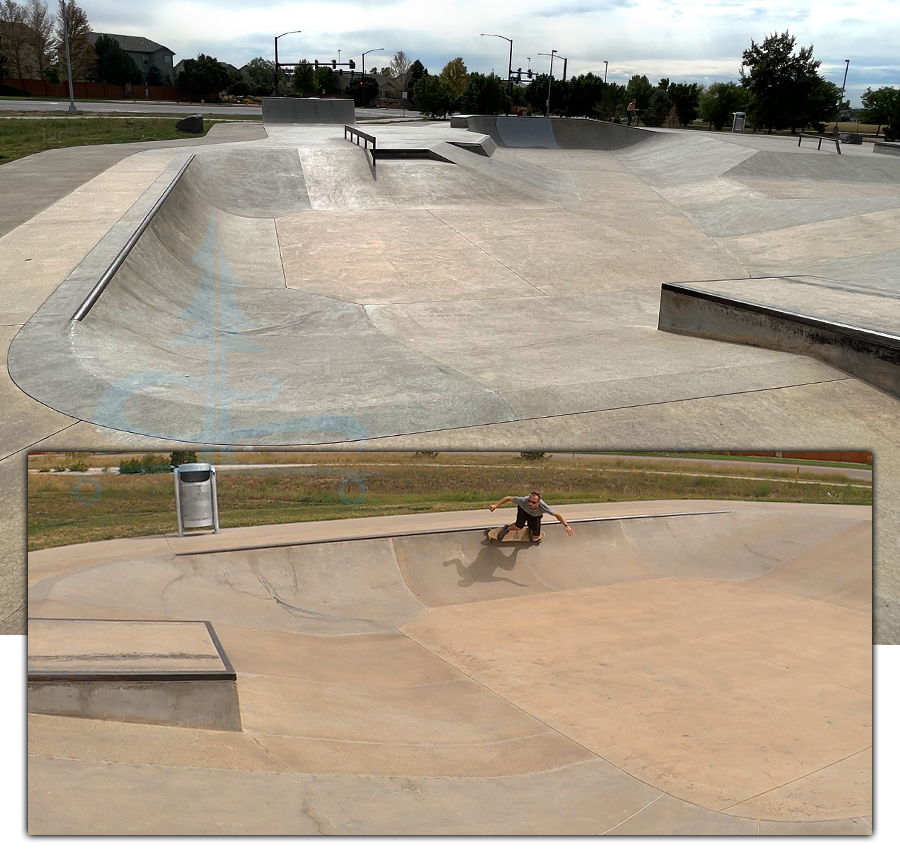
[837, 143]
[350, 132]
[89, 301]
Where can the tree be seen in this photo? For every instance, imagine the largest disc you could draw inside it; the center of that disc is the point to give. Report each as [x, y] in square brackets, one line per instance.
[485, 95]
[641, 90]
[585, 94]
[685, 98]
[783, 86]
[155, 76]
[326, 80]
[398, 71]
[204, 76]
[113, 64]
[892, 129]
[363, 90]
[260, 74]
[14, 37]
[416, 72]
[455, 75]
[658, 109]
[81, 50]
[878, 106]
[720, 101]
[176, 459]
[433, 95]
[304, 80]
[41, 36]
[537, 94]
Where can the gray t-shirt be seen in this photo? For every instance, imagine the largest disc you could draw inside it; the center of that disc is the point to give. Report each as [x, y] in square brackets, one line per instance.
[543, 508]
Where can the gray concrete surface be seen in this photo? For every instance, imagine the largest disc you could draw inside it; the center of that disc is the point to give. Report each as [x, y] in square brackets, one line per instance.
[853, 329]
[423, 270]
[674, 668]
[308, 111]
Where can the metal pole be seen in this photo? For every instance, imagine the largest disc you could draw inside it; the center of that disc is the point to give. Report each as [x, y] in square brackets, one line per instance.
[509, 71]
[277, 72]
[844, 84]
[65, 23]
[550, 83]
[605, 69]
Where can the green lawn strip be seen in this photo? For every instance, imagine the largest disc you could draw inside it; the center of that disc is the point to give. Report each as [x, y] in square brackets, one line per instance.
[22, 137]
[62, 512]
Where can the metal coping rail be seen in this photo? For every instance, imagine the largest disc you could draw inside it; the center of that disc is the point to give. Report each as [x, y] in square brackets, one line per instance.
[444, 531]
[89, 301]
[837, 143]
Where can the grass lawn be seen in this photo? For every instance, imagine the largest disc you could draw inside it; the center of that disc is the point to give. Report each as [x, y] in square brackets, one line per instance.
[71, 508]
[20, 137]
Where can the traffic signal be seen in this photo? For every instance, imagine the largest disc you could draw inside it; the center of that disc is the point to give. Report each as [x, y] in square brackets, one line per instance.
[334, 63]
[529, 74]
[352, 64]
[316, 62]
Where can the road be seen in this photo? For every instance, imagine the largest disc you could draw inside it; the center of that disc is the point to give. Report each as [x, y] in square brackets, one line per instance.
[168, 107]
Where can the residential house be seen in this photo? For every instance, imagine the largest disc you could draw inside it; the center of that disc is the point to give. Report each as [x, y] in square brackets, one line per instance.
[145, 52]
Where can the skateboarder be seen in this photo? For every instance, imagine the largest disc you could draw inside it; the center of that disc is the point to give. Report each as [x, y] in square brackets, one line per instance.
[531, 509]
[629, 110]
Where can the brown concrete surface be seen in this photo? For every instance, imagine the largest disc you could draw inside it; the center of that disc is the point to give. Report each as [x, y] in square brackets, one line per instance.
[673, 668]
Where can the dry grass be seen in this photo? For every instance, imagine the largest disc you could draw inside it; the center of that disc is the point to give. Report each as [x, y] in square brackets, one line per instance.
[67, 509]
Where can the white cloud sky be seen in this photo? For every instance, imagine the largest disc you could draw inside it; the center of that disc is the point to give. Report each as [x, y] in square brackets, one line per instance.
[684, 40]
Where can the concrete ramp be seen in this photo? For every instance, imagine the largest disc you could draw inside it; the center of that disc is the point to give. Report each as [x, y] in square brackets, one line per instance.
[677, 669]
[538, 132]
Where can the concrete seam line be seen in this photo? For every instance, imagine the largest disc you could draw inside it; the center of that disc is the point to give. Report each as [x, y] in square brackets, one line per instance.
[42, 439]
[637, 812]
[483, 250]
[798, 778]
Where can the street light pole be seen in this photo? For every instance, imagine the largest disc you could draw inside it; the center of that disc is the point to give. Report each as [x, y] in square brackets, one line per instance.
[509, 71]
[277, 74]
[550, 82]
[605, 69]
[65, 23]
[844, 84]
[364, 59]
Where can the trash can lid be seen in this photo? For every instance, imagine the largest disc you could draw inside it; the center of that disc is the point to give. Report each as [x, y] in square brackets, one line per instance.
[195, 468]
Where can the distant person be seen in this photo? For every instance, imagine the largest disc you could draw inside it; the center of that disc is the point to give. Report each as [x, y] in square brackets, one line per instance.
[531, 509]
[629, 110]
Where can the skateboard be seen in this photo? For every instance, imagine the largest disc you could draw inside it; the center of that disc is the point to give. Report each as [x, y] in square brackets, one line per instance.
[507, 534]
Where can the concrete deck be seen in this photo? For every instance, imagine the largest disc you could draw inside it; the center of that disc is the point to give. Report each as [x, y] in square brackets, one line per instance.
[383, 309]
[674, 668]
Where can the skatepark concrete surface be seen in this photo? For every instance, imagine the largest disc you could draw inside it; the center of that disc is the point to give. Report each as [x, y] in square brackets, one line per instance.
[285, 294]
[672, 668]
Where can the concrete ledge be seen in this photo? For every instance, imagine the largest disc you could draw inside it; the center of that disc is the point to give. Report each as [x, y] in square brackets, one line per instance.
[867, 354]
[308, 111]
[886, 148]
[157, 672]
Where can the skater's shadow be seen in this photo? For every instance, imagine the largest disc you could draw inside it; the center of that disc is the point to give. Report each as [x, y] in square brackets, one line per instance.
[489, 560]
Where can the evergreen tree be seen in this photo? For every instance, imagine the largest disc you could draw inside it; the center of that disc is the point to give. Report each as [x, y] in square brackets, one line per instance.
[304, 80]
[113, 64]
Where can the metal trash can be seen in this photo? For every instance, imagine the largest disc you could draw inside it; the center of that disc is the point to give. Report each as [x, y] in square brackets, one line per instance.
[196, 497]
[740, 119]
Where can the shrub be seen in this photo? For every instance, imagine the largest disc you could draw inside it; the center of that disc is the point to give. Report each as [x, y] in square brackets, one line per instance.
[144, 466]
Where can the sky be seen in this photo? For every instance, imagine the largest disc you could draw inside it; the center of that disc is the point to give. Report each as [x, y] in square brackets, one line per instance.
[685, 40]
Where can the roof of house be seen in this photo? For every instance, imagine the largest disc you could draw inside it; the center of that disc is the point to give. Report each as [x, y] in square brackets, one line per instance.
[137, 44]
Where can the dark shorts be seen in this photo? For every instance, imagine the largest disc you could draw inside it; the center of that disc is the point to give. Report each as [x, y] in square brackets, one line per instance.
[529, 520]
